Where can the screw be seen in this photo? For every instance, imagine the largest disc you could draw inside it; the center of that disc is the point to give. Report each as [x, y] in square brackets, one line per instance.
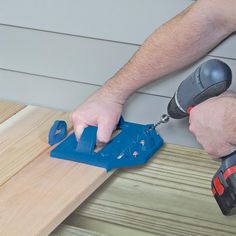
[165, 118]
[142, 142]
[135, 153]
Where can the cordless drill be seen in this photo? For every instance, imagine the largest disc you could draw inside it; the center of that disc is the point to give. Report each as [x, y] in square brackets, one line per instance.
[210, 79]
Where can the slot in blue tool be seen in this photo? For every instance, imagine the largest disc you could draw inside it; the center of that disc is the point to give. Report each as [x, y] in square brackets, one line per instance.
[58, 132]
[134, 145]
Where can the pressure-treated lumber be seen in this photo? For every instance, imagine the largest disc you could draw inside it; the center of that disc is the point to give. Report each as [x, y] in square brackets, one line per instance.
[66, 230]
[38, 192]
[169, 196]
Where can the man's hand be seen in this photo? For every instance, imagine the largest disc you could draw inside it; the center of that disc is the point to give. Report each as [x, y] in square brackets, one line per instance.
[103, 110]
[176, 44]
[213, 122]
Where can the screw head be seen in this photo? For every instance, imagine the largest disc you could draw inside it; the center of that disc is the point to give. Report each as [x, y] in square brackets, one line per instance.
[135, 153]
[142, 142]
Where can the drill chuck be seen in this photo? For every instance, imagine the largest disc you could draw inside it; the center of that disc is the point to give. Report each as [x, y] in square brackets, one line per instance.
[210, 79]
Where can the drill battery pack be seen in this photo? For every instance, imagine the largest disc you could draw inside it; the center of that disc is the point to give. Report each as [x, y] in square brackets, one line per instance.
[224, 185]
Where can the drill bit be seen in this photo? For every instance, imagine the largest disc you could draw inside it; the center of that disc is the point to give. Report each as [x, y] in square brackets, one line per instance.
[164, 119]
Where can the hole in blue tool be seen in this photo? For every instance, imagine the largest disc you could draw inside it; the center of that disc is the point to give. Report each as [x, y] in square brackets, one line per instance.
[99, 146]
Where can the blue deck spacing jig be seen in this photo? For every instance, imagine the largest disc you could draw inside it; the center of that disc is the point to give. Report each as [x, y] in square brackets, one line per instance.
[134, 145]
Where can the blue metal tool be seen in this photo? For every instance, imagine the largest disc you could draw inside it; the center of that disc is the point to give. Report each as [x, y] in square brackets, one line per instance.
[134, 145]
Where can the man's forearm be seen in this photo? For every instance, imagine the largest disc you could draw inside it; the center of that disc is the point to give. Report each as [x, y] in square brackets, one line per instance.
[178, 43]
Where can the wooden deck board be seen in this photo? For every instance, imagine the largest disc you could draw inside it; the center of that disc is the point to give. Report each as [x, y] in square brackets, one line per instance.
[66, 230]
[8, 109]
[37, 192]
[170, 196]
[39, 197]
[23, 137]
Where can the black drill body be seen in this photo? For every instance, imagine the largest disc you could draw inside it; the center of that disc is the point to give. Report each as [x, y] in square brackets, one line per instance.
[210, 79]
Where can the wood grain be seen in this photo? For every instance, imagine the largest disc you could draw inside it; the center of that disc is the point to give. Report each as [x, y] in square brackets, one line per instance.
[170, 196]
[23, 137]
[109, 228]
[44, 193]
[38, 192]
[8, 109]
[66, 230]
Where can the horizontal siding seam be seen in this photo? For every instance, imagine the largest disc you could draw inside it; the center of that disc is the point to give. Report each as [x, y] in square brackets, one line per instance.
[67, 34]
[73, 81]
[96, 39]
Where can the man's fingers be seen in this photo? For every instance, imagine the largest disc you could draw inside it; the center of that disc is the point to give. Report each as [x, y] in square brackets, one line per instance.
[79, 128]
[218, 149]
[227, 94]
[225, 150]
[104, 132]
